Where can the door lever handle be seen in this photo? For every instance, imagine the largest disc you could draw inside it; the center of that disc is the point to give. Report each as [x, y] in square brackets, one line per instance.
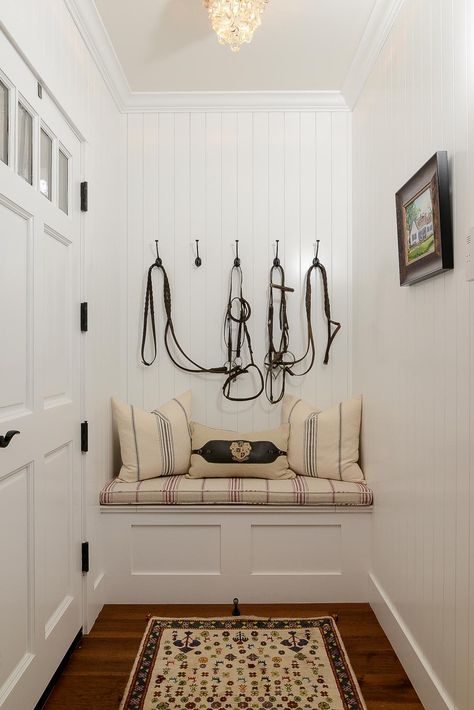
[5, 440]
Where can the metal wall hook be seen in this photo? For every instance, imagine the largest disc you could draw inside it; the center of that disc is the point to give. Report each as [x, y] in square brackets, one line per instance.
[276, 260]
[316, 253]
[197, 260]
[236, 260]
[158, 260]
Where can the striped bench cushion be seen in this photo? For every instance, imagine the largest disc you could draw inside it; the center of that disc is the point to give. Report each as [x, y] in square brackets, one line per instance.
[180, 490]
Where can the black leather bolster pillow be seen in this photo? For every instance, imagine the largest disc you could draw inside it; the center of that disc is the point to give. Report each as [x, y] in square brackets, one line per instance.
[239, 451]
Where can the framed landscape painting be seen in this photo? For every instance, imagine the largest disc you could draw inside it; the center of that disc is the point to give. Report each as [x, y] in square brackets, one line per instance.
[425, 240]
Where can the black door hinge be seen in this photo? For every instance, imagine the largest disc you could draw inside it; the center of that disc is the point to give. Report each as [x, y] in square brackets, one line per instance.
[84, 317]
[84, 437]
[84, 196]
[85, 556]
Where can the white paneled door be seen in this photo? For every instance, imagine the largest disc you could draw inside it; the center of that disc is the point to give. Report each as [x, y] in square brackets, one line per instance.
[40, 469]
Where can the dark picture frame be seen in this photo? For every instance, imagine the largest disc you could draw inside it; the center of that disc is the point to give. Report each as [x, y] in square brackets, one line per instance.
[425, 235]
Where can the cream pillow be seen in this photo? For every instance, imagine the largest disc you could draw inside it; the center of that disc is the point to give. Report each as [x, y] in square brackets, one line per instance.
[324, 444]
[219, 454]
[154, 444]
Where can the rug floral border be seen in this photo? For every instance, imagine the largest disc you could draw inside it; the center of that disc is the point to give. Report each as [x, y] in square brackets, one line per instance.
[144, 663]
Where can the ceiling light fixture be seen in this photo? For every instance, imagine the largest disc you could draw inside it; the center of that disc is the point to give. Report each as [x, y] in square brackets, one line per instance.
[235, 21]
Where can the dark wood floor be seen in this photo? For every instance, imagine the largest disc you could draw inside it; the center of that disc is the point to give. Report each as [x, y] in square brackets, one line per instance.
[97, 672]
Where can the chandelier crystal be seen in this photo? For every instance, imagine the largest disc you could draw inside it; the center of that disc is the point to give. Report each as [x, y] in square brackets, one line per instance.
[235, 21]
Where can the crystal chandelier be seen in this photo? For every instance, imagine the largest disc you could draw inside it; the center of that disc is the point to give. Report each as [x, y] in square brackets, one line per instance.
[235, 21]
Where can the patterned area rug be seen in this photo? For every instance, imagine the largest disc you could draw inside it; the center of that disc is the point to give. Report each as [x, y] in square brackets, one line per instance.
[241, 663]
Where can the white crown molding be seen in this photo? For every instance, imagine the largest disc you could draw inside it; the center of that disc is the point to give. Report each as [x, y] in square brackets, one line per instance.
[143, 102]
[375, 35]
[94, 33]
[97, 40]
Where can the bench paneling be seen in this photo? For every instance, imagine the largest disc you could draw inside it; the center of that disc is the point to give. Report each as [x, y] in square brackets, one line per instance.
[186, 555]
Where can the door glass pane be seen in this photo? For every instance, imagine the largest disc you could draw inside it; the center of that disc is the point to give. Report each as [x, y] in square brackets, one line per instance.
[63, 182]
[25, 144]
[3, 123]
[46, 164]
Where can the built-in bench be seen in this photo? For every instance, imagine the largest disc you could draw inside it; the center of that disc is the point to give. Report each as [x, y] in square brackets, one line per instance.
[174, 539]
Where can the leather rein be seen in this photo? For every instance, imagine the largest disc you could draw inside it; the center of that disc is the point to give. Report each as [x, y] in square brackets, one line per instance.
[236, 333]
[279, 360]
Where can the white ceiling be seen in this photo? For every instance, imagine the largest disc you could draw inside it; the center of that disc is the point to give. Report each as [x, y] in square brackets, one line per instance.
[302, 45]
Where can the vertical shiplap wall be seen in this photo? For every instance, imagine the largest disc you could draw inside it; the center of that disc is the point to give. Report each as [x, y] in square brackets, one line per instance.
[413, 346]
[217, 177]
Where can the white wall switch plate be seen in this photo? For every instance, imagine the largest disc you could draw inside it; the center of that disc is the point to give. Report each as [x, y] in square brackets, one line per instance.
[470, 255]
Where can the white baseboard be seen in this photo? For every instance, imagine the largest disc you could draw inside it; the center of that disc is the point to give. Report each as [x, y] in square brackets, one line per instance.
[422, 676]
[95, 602]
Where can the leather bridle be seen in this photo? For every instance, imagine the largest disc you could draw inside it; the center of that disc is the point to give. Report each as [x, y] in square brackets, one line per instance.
[237, 335]
[279, 360]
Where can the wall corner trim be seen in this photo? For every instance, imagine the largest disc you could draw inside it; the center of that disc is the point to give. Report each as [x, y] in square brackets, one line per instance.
[96, 38]
[375, 35]
[422, 675]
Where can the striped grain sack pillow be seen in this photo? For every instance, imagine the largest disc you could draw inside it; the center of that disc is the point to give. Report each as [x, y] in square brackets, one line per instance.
[154, 444]
[324, 444]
